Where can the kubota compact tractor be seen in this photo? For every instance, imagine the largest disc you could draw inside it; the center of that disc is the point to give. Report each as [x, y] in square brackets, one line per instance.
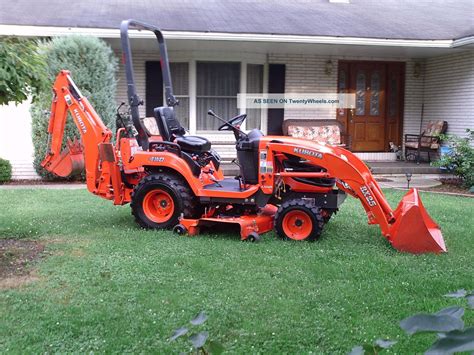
[175, 180]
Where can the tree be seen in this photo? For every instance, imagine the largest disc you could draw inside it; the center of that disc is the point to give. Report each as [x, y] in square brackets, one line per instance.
[93, 65]
[22, 70]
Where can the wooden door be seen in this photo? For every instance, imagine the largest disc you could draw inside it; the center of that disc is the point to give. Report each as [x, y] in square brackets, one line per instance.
[367, 124]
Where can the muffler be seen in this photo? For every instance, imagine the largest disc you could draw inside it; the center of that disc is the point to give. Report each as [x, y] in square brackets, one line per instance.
[413, 230]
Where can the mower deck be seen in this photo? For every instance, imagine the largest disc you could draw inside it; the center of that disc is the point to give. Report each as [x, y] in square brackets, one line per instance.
[250, 225]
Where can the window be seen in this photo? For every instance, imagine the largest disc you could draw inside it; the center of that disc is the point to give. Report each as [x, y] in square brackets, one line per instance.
[216, 88]
[360, 93]
[254, 86]
[180, 78]
[375, 94]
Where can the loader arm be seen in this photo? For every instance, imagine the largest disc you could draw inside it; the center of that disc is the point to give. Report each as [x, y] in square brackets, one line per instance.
[407, 228]
[94, 152]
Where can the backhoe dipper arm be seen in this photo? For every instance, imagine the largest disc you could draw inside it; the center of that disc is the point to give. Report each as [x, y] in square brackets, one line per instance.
[67, 97]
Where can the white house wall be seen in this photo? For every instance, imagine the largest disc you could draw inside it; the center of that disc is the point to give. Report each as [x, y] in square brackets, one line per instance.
[449, 91]
[306, 74]
[15, 140]
[449, 84]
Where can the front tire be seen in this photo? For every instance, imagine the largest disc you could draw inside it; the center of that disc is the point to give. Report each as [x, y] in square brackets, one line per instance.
[299, 219]
[159, 200]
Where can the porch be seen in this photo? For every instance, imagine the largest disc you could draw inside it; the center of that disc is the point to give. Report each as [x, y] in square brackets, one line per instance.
[392, 85]
[385, 168]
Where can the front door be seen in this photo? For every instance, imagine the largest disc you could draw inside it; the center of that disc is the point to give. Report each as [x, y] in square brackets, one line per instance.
[376, 118]
[367, 118]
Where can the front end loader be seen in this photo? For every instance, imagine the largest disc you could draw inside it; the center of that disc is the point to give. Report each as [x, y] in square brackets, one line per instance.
[173, 180]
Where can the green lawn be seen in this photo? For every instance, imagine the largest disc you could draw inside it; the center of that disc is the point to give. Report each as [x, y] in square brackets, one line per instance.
[107, 286]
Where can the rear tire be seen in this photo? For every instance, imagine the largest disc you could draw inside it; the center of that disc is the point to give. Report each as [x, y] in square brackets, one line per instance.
[159, 200]
[299, 219]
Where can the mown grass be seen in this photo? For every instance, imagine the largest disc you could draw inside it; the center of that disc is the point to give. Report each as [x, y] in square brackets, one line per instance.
[108, 286]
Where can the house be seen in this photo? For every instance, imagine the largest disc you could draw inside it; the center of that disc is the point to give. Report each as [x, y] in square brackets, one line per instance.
[397, 56]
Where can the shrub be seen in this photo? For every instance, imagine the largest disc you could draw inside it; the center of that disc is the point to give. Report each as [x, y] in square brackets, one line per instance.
[460, 161]
[92, 65]
[22, 70]
[5, 171]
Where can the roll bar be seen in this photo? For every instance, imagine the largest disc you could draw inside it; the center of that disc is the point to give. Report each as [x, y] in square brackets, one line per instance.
[134, 99]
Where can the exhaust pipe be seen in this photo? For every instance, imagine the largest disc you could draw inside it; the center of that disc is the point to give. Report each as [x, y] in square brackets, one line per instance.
[413, 230]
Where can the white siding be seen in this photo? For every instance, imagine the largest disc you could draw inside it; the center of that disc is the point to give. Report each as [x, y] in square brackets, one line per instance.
[15, 140]
[449, 91]
[139, 59]
[413, 99]
[448, 85]
[306, 74]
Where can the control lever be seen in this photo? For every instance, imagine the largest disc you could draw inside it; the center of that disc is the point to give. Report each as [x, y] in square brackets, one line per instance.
[213, 179]
[240, 177]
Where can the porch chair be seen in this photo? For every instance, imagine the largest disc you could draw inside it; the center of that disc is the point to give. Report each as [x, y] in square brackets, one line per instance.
[323, 131]
[428, 141]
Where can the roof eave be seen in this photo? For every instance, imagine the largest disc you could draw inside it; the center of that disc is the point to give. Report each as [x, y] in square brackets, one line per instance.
[47, 31]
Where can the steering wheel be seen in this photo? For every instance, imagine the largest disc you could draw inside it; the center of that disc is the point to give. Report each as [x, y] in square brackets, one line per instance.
[233, 123]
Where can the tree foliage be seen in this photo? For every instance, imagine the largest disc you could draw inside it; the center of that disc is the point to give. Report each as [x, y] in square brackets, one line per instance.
[93, 65]
[22, 70]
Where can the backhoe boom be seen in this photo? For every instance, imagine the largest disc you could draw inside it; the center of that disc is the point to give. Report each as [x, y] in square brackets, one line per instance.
[94, 152]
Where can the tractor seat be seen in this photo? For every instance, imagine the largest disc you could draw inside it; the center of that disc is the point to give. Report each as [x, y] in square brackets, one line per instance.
[172, 131]
[193, 144]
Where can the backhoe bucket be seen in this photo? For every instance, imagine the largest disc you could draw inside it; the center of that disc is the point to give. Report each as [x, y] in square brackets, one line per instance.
[70, 162]
[414, 231]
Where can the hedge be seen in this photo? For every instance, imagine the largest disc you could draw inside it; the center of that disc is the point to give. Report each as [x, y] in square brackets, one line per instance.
[5, 171]
[93, 65]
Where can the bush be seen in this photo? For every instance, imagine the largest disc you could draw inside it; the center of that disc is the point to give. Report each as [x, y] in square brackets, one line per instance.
[460, 161]
[92, 65]
[5, 171]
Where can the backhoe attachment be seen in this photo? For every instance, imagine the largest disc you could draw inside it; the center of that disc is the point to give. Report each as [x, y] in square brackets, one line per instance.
[70, 162]
[414, 231]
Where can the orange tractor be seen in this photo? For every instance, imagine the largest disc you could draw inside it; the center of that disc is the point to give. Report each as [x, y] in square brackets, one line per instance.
[173, 180]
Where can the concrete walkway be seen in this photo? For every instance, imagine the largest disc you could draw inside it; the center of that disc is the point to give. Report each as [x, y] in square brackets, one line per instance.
[420, 182]
[44, 186]
[390, 181]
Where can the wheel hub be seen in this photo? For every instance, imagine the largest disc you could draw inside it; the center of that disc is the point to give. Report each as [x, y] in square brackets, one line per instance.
[158, 206]
[297, 225]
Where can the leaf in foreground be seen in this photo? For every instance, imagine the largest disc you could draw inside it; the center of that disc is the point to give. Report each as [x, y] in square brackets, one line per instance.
[431, 323]
[178, 333]
[385, 343]
[199, 339]
[454, 311]
[455, 341]
[357, 350]
[199, 319]
[457, 294]
[215, 347]
[470, 300]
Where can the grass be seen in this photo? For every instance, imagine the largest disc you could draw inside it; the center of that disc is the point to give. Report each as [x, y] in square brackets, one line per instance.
[107, 286]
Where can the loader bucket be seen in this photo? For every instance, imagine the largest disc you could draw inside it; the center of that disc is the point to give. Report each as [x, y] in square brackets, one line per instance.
[414, 231]
[70, 162]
